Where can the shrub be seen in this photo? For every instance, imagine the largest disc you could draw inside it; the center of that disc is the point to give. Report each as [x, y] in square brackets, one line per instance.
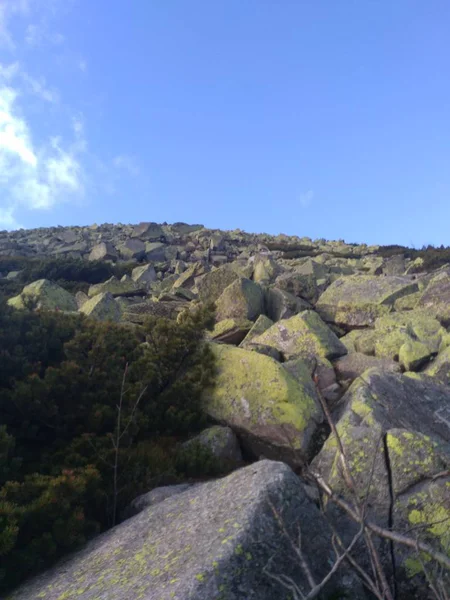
[66, 467]
[41, 518]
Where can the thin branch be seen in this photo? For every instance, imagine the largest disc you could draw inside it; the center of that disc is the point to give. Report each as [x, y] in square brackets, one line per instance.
[439, 557]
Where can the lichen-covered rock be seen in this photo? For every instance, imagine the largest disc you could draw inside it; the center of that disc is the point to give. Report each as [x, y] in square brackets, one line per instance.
[115, 287]
[157, 252]
[81, 298]
[102, 307]
[283, 305]
[265, 268]
[354, 364]
[356, 301]
[275, 413]
[188, 278]
[436, 297]
[231, 331]
[156, 496]
[144, 274]
[151, 232]
[425, 507]
[221, 442]
[138, 313]
[419, 324]
[103, 251]
[44, 295]
[242, 299]
[395, 436]
[304, 335]
[376, 403]
[440, 367]
[303, 280]
[210, 542]
[408, 302]
[261, 324]
[212, 284]
[132, 249]
[413, 457]
[413, 355]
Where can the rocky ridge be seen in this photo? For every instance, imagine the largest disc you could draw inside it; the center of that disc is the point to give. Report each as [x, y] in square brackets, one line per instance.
[295, 318]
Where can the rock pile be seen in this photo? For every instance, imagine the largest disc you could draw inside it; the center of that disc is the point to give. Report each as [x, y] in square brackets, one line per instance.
[371, 331]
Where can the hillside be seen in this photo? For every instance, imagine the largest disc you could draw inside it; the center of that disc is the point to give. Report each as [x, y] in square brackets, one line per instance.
[314, 374]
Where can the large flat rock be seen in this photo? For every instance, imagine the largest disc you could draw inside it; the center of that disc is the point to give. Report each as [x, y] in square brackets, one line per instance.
[356, 301]
[211, 542]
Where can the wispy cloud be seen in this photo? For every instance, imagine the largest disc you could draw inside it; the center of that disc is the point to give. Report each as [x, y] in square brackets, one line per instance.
[9, 9]
[39, 88]
[82, 65]
[34, 177]
[306, 198]
[127, 163]
[38, 34]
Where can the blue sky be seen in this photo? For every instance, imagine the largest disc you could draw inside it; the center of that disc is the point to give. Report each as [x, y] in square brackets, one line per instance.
[318, 118]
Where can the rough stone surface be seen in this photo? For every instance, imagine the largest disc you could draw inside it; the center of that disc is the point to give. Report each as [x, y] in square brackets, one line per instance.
[356, 301]
[242, 299]
[156, 496]
[436, 297]
[221, 442]
[212, 284]
[102, 307]
[275, 413]
[208, 543]
[231, 331]
[261, 324]
[115, 287]
[103, 251]
[46, 295]
[395, 432]
[302, 335]
[283, 305]
[144, 275]
[354, 364]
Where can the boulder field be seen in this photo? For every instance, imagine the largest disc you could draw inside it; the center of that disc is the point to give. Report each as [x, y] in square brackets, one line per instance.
[299, 323]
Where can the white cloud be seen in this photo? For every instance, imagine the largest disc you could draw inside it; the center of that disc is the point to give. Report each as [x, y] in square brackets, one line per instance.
[306, 198]
[127, 163]
[34, 178]
[7, 219]
[39, 88]
[82, 65]
[14, 135]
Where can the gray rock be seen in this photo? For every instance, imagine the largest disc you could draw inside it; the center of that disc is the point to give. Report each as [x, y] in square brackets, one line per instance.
[353, 365]
[203, 543]
[144, 274]
[103, 251]
[132, 249]
[242, 299]
[151, 232]
[223, 445]
[283, 305]
[356, 301]
[156, 496]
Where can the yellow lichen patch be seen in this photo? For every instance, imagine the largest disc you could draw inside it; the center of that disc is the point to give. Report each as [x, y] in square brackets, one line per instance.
[413, 456]
[254, 392]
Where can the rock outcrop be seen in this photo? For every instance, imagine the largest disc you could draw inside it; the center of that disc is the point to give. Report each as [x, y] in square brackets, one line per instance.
[215, 541]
